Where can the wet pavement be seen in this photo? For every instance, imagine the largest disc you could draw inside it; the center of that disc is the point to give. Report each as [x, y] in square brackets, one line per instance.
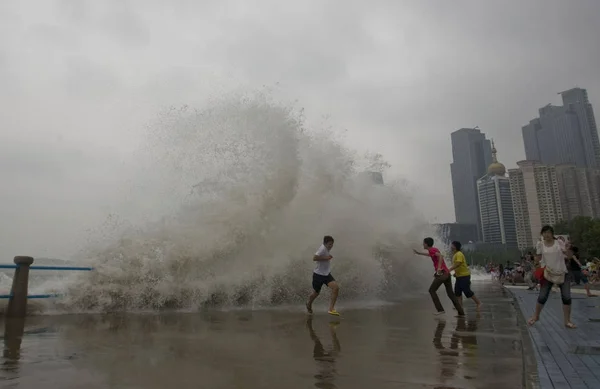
[399, 345]
[566, 358]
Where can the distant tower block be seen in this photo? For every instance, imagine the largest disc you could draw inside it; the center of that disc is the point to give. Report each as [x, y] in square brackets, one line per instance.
[373, 177]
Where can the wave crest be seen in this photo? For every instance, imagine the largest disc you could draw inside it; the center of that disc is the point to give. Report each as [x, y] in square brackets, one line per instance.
[236, 199]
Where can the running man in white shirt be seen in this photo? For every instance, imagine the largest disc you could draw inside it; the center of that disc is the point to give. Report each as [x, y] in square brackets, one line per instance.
[322, 276]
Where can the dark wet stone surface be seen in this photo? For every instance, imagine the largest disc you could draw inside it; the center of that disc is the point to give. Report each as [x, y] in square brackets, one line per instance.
[566, 358]
[400, 345]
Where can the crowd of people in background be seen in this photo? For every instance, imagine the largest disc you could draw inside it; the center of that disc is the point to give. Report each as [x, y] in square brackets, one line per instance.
[523, 271]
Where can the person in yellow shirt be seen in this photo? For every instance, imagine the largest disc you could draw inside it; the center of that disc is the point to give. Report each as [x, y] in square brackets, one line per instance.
[462, 274]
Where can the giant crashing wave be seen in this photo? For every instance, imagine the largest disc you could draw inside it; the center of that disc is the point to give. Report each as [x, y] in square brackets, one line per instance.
[241, 193]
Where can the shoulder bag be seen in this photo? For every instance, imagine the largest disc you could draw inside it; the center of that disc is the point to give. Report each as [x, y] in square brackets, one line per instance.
[557, 277]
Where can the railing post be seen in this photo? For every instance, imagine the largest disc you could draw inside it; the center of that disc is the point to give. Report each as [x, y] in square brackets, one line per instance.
[13, 335]
[17, 305]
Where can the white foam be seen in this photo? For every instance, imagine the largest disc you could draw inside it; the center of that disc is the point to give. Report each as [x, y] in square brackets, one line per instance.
[228, 204]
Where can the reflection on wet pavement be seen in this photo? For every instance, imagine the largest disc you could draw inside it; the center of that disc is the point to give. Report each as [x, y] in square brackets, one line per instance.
[389, 346]
[463, 339]
[325, 357]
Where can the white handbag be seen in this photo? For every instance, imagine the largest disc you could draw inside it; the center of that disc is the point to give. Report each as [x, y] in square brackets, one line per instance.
[556, 277]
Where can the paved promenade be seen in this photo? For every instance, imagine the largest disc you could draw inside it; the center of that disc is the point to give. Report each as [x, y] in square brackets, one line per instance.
[373, 345]
[565, 358]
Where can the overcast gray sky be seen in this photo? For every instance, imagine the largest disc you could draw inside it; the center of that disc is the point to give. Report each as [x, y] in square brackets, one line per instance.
[80, 79]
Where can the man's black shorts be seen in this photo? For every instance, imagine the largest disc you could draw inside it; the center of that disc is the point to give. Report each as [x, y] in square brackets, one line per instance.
[319, 281]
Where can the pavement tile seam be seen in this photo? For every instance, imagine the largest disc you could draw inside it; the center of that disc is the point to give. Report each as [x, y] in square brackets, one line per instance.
[535, 375]
[554, 345]
[565, 339]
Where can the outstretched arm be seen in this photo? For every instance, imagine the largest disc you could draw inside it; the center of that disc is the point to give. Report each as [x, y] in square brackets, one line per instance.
[420, 253]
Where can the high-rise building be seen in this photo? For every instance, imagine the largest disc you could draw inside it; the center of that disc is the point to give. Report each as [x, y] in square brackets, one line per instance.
[530, 140]
[577, 100]
[578, 191]
[496, 205]
[471, 155]
[565, 134]
[546, 194]
[536, 199]
[464, 233]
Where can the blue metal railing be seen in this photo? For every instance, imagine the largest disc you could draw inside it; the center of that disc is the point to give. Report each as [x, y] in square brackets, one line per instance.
[32, 296]
[41, 267]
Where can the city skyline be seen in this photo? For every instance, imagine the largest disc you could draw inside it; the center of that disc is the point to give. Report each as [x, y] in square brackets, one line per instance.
[563, 135]
[82, 82]
[558, 180]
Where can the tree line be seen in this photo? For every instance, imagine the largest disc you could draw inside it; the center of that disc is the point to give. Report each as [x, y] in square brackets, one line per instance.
[584, 232]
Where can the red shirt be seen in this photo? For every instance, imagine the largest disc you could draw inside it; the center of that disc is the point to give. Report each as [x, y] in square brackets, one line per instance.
[432, 253]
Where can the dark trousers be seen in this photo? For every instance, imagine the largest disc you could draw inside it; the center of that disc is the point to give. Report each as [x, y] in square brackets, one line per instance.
[565, 291]
[447, 282]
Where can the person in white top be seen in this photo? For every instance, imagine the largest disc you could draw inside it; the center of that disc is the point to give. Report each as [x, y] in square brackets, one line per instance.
[322, 276]
[551, 252]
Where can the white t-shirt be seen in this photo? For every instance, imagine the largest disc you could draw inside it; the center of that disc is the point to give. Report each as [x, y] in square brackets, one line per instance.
[323, 267]
[553, 256]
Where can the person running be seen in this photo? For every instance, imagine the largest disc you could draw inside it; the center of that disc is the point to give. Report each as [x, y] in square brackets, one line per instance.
[462, 275]
[551, 252]
[322, 276]
[440, 277]
[576, 272]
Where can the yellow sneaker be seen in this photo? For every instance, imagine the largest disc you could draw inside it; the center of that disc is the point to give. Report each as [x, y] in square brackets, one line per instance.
[333, 312]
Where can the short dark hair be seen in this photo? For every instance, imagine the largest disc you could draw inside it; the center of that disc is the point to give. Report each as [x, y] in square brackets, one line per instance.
[547, 228]
[457, 245]
[428, 241]
[327, 239]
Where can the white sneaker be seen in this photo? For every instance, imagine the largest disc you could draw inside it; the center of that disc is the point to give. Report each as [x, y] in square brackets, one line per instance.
[439, 313]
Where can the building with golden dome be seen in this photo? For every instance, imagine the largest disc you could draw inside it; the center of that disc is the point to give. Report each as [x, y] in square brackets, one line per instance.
[496, 168]
[495, 205]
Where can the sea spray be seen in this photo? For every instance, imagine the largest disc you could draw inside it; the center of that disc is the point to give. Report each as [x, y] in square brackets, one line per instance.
[232, 201]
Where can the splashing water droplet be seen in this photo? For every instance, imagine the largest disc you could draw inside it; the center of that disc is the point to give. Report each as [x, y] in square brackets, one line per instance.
[236, 199]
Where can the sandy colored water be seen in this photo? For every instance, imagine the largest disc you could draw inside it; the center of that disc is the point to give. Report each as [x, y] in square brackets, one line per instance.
[399, 345]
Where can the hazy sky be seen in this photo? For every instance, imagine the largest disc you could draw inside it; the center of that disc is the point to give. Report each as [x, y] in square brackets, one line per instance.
[80, 79]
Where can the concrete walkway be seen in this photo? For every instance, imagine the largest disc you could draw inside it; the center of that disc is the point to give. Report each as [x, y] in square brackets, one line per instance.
[565, 358]
[376, 345]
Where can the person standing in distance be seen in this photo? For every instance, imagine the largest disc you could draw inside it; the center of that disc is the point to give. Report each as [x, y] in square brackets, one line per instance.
[441, 276]
[322, 276]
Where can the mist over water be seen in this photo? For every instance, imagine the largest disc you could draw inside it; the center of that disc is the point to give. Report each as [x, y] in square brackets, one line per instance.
[231, 201]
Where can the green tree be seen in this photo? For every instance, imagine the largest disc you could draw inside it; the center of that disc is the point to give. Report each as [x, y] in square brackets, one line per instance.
[584, 232]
